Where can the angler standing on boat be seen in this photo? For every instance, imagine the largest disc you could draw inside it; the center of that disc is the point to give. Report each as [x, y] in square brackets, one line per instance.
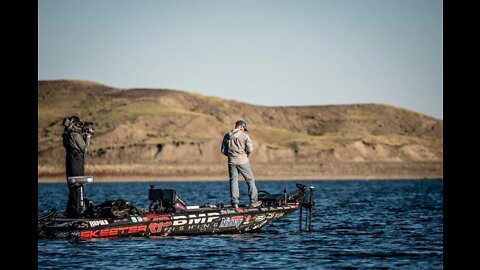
[76, 138]
[237, 146]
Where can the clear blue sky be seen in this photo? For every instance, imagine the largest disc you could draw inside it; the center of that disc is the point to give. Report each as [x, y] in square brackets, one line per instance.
[261, 52]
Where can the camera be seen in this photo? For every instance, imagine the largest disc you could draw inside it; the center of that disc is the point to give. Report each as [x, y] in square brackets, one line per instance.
[74, 124]
[86, 127]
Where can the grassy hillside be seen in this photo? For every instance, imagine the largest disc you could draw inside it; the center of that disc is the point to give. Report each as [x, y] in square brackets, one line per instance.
[161, 133]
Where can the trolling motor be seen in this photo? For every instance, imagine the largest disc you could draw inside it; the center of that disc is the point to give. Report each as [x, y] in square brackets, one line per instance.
[306, 201]
[80, 202]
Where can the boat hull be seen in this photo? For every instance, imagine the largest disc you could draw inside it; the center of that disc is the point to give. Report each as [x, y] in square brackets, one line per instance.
[190, 222]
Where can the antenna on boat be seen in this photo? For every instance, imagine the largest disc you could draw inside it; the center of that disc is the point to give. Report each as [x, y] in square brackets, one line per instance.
[310, 208]
[308, 204]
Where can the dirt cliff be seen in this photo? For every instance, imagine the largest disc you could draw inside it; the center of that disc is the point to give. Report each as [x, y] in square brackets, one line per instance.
[170, 134]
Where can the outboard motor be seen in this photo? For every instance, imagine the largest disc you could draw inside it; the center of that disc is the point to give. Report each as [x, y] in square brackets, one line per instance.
[80, 181]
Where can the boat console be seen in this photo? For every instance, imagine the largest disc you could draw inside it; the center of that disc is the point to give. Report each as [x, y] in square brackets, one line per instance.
[165, 200]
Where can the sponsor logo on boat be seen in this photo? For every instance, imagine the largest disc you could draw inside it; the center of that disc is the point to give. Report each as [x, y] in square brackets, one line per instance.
[190, 228]
[247, 219]
[234, 221]
[138, 219]
[270, 215]
[120, 220]
[94, 223]
[259, 218]
[158, 217]
[164, 220]
[260, 224]
[228, 211]
[121, 231]
[195, 219]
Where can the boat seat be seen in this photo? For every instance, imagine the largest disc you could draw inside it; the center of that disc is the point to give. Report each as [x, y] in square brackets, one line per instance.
[79, 179]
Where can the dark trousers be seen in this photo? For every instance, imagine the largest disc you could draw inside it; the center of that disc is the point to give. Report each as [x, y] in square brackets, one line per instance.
[75, 167]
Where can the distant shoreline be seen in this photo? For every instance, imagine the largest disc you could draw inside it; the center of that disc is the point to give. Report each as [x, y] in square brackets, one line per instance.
[140, 178]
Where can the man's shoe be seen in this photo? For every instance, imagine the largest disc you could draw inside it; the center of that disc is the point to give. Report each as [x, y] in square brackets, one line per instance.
[256, 204]
[238, 209]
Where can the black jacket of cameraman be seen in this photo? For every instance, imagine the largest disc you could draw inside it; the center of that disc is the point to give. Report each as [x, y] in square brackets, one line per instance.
[75, 146]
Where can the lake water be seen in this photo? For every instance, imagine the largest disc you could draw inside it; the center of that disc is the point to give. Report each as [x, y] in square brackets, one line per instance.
[356, 224]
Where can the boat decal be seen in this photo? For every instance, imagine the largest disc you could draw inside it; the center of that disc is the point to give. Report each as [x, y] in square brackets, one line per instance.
[136, 219]
[195, 219]
[120, 220]
[233, 221]
[259, 225]
[201, 227]
[270, 215]
[247, 219]
[259, 218]
[121, 231]
[158, 217]
[94, 223]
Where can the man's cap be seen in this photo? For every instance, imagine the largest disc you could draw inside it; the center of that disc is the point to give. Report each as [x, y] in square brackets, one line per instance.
[242, 123]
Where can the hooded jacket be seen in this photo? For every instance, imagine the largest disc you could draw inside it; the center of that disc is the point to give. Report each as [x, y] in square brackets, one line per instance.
[237, 146]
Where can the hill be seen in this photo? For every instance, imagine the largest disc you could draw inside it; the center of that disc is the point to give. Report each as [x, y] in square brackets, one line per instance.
[171, 134]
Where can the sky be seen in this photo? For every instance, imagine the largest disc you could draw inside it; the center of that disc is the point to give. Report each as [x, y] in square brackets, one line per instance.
[264, 52]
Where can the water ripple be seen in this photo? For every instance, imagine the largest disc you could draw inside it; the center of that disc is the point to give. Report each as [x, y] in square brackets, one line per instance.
[356, 224]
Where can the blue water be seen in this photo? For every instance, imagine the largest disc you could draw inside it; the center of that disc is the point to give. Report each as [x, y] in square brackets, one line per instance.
[359, 224]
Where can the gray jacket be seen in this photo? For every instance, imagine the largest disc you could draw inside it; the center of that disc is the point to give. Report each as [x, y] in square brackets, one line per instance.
[237, 146]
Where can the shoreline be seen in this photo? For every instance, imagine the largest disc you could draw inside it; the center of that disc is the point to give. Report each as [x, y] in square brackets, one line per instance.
[140, 178]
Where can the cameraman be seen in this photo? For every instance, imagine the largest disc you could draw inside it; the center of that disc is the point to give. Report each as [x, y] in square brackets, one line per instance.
[76, 138]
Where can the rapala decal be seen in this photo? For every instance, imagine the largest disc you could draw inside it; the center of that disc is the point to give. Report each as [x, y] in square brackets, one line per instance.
[94, 223]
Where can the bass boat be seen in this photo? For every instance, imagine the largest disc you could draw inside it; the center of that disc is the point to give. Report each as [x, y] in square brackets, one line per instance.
[168, 215]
